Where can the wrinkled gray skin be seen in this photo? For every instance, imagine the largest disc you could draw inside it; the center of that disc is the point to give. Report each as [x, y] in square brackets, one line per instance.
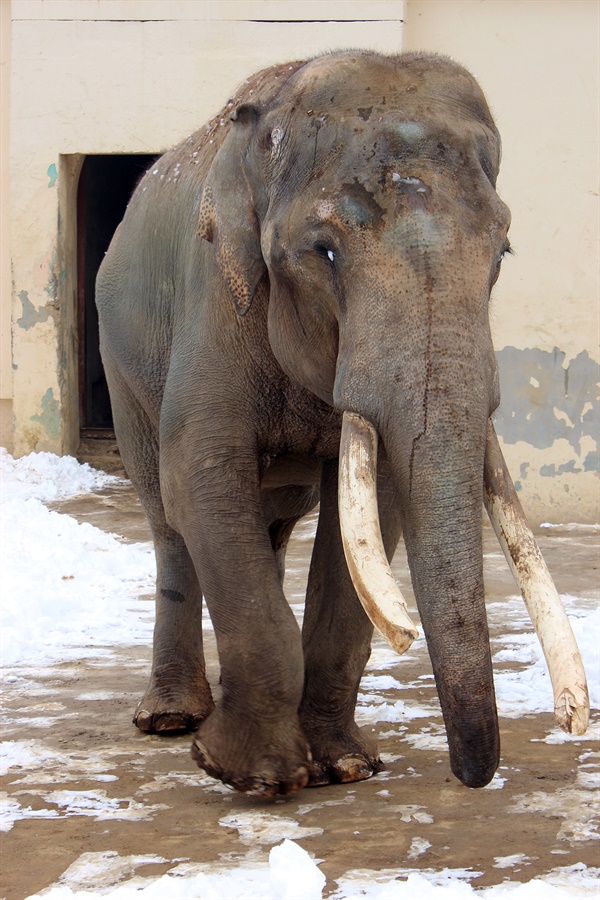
[328, 243]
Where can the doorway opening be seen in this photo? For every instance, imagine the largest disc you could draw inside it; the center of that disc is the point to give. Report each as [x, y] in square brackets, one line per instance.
[105, 185]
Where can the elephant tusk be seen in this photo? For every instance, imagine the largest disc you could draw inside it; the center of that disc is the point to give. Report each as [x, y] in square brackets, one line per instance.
[361, 534]
[571, 698]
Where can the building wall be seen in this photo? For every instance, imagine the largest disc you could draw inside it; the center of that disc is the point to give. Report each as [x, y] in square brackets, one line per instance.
[123, 76]
[538, 64]
[135, 76]
[6, 424]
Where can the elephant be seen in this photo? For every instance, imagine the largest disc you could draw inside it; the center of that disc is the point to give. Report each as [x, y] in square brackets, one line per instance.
[294, 313]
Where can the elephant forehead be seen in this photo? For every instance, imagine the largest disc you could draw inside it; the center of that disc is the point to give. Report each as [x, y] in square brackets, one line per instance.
[353, 203]
[420, 231]
[411, 132]
[361, 79]
[341, 147]
[325, 210]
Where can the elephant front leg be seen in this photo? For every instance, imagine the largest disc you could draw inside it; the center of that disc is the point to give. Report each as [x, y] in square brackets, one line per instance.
[252, 740]
[337, 644]
[178, 696]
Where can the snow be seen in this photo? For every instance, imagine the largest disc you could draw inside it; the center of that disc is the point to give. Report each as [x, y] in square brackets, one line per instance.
[523, 691]
[70, 587]
[263, 828]
[45, 476]
[83, 592]
[449, 885]
[292, 875]
[97, 805]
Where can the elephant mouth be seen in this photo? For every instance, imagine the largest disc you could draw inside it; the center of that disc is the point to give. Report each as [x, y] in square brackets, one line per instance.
[383, 602]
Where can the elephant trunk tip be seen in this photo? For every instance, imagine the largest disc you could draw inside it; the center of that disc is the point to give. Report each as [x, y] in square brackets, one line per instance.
[475, 748]
[475, 773]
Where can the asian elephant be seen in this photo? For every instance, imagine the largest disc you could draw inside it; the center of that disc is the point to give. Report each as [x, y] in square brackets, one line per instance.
[320, 255]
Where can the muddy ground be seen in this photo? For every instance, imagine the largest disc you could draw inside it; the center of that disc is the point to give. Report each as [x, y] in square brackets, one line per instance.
[141, 796]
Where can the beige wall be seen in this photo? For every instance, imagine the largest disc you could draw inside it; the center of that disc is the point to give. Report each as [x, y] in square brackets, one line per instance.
[537, 61]
[126, 76]
[6, 424]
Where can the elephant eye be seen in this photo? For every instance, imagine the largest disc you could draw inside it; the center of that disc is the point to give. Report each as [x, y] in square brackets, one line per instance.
[325, 251]
[507, 250]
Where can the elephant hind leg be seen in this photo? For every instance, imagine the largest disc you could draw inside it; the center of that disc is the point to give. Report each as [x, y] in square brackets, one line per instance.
[339, 751]
[280, 532]
[337, 644]
[283, 508]
[178, 696]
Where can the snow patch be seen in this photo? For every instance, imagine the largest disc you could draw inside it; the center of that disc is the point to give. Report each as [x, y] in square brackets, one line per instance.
[508, 862]
[47, 477]
[106, 869]
[418, 846]
[388, 712]
[95, 804]
[265, 828]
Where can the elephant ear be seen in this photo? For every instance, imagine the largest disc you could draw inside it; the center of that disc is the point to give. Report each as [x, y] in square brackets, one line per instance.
[227, 216]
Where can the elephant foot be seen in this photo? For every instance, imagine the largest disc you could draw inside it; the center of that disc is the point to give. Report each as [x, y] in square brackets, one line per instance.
[343, 771]
[342, 759]
[251, 760]
[169, 711]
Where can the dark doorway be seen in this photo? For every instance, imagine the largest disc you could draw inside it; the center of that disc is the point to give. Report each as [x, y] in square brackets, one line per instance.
[105, 186]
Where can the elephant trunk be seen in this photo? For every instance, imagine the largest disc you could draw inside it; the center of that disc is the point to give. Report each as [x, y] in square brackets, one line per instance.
[440, 484]
[386, 607]
[421, 377]
[438, 473]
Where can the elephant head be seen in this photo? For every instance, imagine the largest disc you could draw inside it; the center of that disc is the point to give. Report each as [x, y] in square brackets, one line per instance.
[363, 190]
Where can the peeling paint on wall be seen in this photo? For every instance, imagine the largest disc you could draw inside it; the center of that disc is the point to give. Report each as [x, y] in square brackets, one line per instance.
[592, 462]
[31, 315]
[52, 175]
[54, 275]
[49, 418]
[545, 399]
[550, 471]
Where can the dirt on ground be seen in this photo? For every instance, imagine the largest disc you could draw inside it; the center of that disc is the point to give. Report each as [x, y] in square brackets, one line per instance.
[141, 796]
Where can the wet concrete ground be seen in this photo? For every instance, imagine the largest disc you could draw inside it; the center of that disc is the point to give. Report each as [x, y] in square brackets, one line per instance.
[99, 793]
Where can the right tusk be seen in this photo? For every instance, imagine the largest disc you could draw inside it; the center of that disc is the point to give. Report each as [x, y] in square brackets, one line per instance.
[361, 534]
[571, 698]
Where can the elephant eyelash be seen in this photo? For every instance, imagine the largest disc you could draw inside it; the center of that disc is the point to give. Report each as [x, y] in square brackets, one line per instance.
[506, 250]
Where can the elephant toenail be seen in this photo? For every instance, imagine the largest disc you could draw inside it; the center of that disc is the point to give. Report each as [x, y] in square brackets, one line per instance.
[352, 768]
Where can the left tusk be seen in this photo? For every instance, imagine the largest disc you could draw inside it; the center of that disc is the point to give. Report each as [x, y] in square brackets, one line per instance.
[571, 697]
[361, 535]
